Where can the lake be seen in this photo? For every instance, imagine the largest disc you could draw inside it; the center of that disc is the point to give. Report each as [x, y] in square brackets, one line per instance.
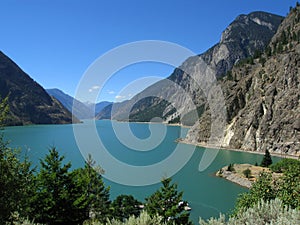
[207, 195]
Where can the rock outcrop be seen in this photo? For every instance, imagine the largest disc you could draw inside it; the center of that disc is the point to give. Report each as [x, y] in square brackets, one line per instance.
[241, 39]
[262, 97]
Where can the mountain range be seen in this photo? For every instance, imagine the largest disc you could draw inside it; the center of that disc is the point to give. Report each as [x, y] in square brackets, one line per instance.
[80, 110]
[256, 65]
[245, 36]
[28, 101]
[262, 97]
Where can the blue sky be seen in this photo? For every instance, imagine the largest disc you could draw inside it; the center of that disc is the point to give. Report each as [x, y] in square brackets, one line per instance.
[56, 41]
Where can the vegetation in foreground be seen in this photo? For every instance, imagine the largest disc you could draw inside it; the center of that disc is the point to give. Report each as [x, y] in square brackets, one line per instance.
[52, 194]
[55, 195]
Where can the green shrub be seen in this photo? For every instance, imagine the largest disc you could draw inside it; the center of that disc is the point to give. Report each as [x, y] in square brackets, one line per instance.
[231, 167]
[284, 164]
[247, 173]
[143, 219]
[267, 160]
[265, 212]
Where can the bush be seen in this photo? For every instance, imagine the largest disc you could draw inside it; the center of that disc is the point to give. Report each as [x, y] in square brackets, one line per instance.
[284, 164]
[143, 219]
[265, 212]
[267, 160]
[231, 167]
[247, 173]
[286, 188]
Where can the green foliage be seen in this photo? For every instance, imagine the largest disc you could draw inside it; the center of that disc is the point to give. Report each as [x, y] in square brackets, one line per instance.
[191, 117]
[16, 176]
[93, 192]
[51, 203]
[125, 206]
[243, 62]
[229, 75]
[262, 60]
[264, 212]
[167, 202]
[15, 182]
[289, 186]
[268, 51]
[18, 220]
[247, 173]
[147, 114]
[257, 54]
[286, 188]
[230, 167]
[267, 160]
[4, 109]
[64, 197]
[143, 219]
[262, 189]
[284, 164]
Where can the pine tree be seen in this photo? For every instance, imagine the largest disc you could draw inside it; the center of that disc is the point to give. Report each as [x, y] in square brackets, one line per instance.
[16, 176]
[51, 203]
[94, 190]
[267, 160]
[125, 206]
[167, 202]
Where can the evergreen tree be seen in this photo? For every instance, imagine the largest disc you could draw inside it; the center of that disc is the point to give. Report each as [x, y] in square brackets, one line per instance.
[51, 203]
[125, 206]
[167, 202]
[267, 160]
[16, 181]
[94, 195]
[16, 176]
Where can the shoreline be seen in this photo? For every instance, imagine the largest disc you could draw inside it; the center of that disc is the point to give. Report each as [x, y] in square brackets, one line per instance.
[203, 145]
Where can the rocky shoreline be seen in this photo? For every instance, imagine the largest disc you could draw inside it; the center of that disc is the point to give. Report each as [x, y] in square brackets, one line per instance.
[235, 173]
[204, 145]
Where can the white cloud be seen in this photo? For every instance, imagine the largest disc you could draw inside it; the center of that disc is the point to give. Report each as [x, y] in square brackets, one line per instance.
[123, 97]
[110, 92]
[120, 97]
[93, 88]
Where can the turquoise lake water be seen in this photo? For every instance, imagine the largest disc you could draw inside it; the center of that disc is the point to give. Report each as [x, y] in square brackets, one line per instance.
[207, 195]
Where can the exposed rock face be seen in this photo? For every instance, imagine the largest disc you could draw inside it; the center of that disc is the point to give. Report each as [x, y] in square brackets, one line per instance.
[262, 100]
[29, 103]
[180, 98]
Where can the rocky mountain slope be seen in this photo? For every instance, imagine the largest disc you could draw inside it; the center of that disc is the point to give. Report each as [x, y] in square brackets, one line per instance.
[180, 99]
[80, 110]
[29, 103]
[262, 97]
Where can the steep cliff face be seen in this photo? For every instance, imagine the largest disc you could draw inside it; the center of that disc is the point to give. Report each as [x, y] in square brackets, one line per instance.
[29, 103]
[262, 97]
[178, 97]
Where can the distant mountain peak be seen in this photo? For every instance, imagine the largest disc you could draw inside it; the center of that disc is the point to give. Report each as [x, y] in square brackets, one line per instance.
[79, 109]
[262, 97]
[242, 26]
[239, 40]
